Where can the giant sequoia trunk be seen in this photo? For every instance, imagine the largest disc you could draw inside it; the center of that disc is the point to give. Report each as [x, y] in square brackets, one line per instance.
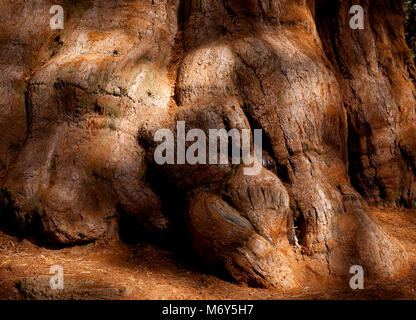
[80, 108]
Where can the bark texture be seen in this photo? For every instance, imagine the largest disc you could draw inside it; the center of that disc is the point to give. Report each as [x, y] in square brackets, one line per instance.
[80, 108]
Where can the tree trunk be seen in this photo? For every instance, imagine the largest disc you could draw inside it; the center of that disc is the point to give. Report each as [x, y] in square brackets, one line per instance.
[336, 106]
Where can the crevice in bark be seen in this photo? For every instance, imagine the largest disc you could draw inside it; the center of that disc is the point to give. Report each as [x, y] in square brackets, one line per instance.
[178, 50]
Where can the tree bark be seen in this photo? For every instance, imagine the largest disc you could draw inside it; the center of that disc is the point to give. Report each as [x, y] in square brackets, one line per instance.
[336, 107]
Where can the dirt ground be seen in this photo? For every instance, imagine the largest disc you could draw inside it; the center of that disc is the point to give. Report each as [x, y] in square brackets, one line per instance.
[115, 270]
